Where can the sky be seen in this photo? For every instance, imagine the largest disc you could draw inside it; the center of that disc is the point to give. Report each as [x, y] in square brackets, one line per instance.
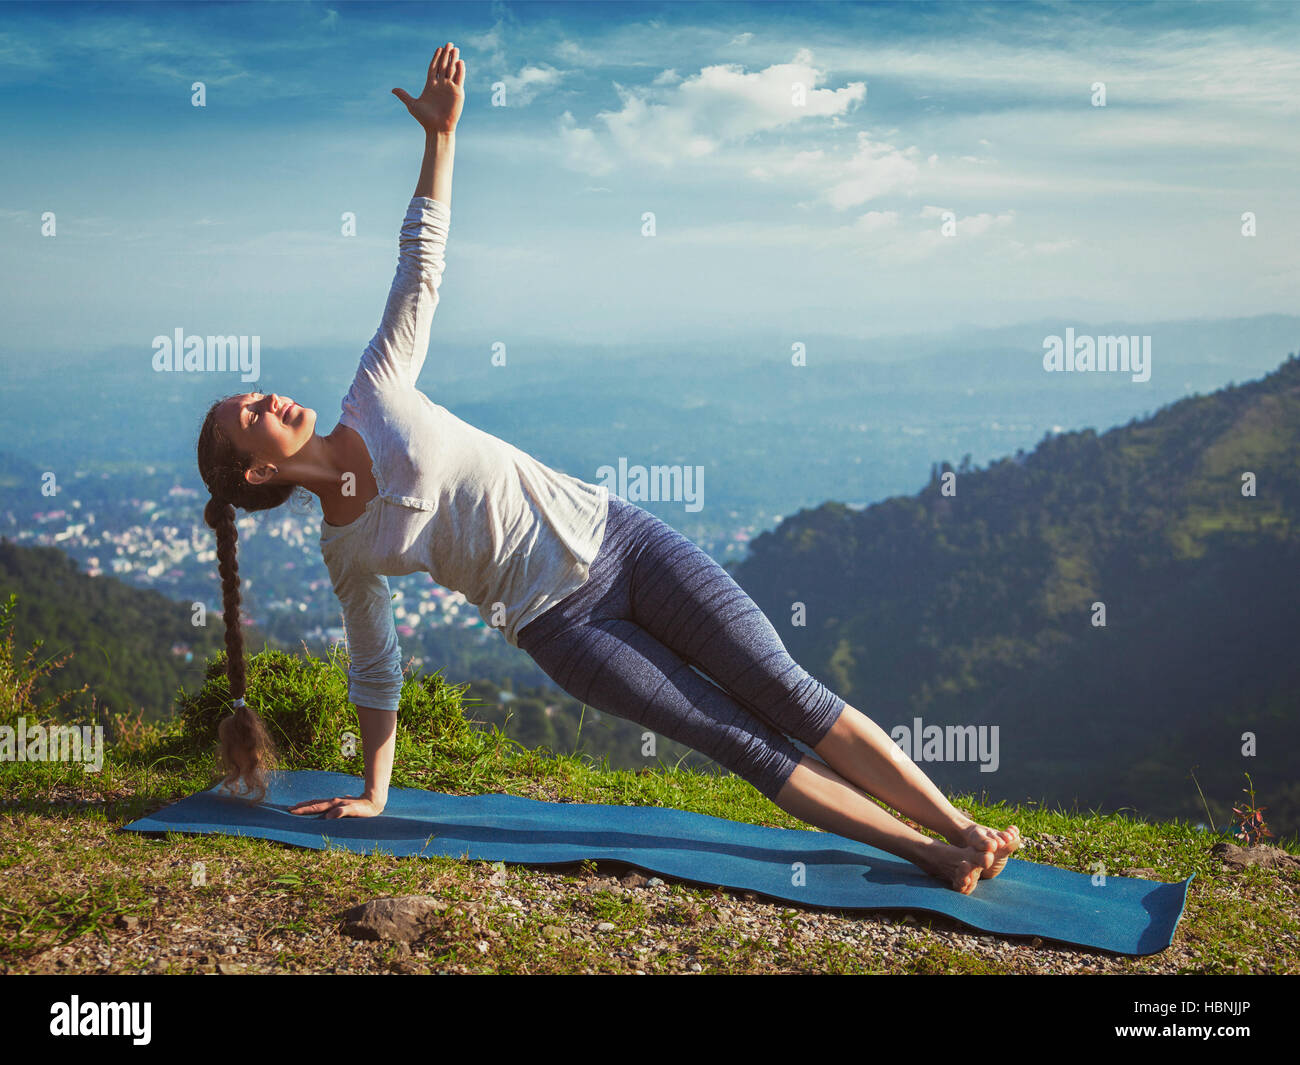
[798, 161]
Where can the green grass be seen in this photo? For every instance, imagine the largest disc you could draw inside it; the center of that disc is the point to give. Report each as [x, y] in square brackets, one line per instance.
[76, 894]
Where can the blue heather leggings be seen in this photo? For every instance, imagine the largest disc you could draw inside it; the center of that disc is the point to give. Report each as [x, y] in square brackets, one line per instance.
[655, 604]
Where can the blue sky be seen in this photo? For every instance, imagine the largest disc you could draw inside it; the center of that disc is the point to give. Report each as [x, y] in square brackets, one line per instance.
[825, 216]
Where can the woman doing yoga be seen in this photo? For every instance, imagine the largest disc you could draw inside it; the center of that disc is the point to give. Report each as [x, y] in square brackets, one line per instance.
[613, 604]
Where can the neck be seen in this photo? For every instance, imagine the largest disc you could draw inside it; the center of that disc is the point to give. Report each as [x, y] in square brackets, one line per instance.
[318, 466]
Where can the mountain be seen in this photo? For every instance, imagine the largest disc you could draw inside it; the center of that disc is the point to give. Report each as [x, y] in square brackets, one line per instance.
[1120, 606]
[133, 647]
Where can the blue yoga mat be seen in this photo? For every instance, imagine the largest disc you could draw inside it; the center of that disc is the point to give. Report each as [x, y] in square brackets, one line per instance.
[801, 866]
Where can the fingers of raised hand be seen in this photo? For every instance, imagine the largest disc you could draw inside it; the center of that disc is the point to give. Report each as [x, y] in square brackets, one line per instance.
[446, 63]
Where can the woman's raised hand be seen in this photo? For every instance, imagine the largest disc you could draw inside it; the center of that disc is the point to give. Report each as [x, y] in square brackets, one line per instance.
[438, 108]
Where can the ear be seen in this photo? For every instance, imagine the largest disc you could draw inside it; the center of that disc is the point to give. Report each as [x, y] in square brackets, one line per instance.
[259, 475]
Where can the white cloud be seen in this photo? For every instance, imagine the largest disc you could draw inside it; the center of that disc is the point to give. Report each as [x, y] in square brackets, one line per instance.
[720, 105]
[531, 81]
[581, 149]
[974, 225]
[874, 169]
[572, 52]
[882, 234]
[876, 220]
[1067, 56]
[488, 43]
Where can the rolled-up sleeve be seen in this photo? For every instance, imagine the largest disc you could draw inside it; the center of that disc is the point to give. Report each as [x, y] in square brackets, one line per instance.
[375, 673]
[398, 349]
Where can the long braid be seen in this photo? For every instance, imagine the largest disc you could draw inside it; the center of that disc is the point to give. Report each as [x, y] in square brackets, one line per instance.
[245, 752]
[220, 515]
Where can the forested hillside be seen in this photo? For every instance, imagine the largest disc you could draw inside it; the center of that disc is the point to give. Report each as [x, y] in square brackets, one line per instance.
[977, 606]
[132, 646]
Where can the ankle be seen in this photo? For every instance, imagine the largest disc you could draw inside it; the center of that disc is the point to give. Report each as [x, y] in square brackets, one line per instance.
[957, 827]
[928, 852]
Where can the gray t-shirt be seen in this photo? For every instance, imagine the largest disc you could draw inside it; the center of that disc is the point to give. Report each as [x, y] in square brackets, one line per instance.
[479, 515]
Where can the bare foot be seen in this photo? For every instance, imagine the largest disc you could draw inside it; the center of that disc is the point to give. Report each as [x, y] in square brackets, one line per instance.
[1000, 843]
[960, 867]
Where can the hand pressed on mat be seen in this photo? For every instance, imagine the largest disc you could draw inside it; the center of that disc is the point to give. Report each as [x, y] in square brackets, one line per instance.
[342, 806]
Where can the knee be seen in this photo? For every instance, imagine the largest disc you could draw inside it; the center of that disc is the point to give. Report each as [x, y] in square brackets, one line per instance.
[802, 707]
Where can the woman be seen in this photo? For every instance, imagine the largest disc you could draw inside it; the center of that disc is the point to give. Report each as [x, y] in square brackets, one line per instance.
[611, 602]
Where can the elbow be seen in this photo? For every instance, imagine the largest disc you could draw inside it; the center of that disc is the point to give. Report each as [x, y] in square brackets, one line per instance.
[379, 688]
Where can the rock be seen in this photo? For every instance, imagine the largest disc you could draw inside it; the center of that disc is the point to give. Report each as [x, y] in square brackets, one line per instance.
[402, 919]
[128, 921]
[1264, 856]
[654, 881]
[1144, 874]
[605, 926]
[554, 931]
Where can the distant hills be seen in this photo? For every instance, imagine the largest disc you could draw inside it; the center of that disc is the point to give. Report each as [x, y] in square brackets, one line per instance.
[977, 608]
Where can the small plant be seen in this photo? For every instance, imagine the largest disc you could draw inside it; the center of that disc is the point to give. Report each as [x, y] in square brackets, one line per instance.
[132, 733]
[1251, 827]
[19, 680]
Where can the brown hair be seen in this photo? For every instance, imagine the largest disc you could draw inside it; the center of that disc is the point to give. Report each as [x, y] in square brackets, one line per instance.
[246, 752]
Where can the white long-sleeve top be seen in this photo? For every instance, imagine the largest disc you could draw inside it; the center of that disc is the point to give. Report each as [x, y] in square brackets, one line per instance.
[481, 516]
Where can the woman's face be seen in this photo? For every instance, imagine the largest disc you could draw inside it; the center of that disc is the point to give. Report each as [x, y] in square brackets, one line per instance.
[272, 427]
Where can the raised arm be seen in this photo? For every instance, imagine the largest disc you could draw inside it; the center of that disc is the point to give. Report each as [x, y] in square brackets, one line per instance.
[438, 110]
[396, 353]
[399, 347]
